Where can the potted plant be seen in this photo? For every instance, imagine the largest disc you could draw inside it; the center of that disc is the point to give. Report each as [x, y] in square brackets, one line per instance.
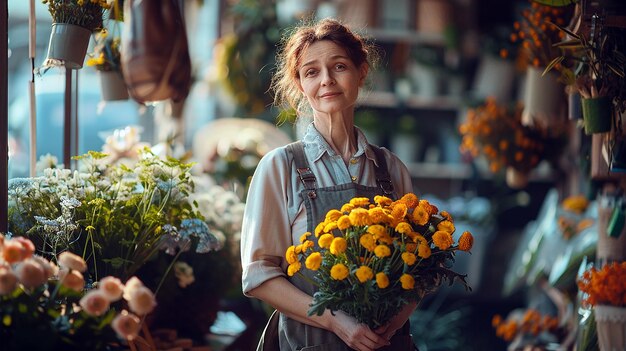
[106, 60]
[73, 21]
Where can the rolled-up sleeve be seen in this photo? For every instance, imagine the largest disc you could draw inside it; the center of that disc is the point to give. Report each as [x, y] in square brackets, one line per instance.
[266, 229]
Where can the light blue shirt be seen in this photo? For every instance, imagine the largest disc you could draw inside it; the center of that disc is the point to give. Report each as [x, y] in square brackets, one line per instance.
[275, 217]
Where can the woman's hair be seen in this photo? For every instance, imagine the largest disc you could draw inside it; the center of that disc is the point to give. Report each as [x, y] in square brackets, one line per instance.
[293, 45]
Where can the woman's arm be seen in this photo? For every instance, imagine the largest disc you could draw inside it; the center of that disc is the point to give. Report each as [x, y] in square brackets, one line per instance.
[294, 303]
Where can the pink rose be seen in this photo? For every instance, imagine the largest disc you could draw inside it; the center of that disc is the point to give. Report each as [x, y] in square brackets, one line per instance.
[30, 273]
[126, 325]
[94, 303]
[72, 279]
[72, 261]
[142, 301]
[112, 288]
[8, 281]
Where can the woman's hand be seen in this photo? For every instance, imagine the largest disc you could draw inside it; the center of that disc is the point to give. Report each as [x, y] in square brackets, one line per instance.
[356, 335]
[388, 330]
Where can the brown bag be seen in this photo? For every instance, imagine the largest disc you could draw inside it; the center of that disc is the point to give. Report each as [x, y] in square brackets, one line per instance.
[269, 338]
[155, 54]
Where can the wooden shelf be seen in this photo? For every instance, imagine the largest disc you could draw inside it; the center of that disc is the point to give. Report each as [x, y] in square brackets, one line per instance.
[390, 100]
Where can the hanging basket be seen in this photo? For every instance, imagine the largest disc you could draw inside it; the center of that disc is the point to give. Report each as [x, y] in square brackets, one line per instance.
[516, 179]
[68, 44]
[611, 327]
[597, 114]
[544, 99]
[112, 86]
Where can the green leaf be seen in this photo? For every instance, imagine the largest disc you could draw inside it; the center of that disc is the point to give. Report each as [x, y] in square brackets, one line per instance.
[551, 65]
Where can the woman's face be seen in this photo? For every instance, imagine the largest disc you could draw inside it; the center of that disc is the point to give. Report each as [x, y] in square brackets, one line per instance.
[328, 77]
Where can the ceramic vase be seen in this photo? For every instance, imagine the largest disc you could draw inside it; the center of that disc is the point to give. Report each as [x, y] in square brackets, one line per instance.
[68, 44]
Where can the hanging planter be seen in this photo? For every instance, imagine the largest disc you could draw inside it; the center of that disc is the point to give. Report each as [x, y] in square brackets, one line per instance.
[611, 327]
[611, 239]
[68, 44]
[543, 99]
[112, 86]
[597, 113]
[516, 179]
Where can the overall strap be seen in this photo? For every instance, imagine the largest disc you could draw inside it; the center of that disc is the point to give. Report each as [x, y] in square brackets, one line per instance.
[382, 173]
[296, 149]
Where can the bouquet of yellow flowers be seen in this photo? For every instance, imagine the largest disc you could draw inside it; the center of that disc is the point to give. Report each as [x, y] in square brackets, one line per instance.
[369, 260]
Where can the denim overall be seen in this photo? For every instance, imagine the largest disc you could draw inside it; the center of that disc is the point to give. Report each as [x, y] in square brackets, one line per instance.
[293, 335]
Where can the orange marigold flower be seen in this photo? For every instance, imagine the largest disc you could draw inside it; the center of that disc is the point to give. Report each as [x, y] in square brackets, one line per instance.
[446, 226]
[314, 261]
[382, 251]
[290, 255]
[442, 239]
[409, 258]
[319, 229]
[407, 281]
[325, 240]
[346, 208]
[447, 216]
[378, 215]
[430, 208]
[330, 226]
[333, 215]
[377, 230]
[382, 280]
[399, 211]
[423, 251]
[364, 273]
[496, 320]
[304, 236]
[360, 202]
[339, 271]
[411, 247]
[410, 200]
[404, 228]
[466, 241]
[382, 200]
[368, 241]
[293, 268]
[421, 215]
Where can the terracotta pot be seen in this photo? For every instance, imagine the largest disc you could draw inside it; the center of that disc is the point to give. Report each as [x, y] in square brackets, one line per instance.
[68, 43]
[611, 327]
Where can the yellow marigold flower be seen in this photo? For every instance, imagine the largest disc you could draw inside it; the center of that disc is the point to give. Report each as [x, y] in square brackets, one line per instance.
[446, 226]
[404, 228]
[338, 246]
[329, 227]
[409, 258]
[343, 222]
[421, 215]
[304, 236]
[423, 251]
[293, 268]
[368, 241]
[298, 249]
[360, 202]
[382, 280]
[411, 247]
[382, 200]
[446, 215]
[325, 240]
[346, 208]
[319, 229]
[333, 215]
[364, 273]
[382, 251]
[419, 239]
[314, 261]
[290, 255]
[442, 239]
[407, 281]
[430, 208]
[339, 271]
[410, 200]
[378, 215]
[466, 241]
[359, 217]
[577, 204]
[377, 230]
[385, 239]
[308, 244]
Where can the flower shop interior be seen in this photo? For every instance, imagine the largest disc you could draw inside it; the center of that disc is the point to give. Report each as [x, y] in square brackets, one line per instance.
[132, 129]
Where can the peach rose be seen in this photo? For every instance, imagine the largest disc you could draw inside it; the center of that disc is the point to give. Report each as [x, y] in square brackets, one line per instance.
[30, 273]
[72, 261]
[94, 303]
[13, 251]
[126, 325]
[72, 279]
[49, 268]
[27, 245]
[131, 285]
[8, 281]
[142, 301]
[112, 288]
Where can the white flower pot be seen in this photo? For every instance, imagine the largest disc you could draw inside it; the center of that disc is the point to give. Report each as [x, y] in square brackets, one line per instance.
[68, 43]
[544, 99]
[112, 86]
[611, 327]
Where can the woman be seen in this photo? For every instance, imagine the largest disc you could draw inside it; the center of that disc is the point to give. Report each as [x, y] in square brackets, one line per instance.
[320, 69]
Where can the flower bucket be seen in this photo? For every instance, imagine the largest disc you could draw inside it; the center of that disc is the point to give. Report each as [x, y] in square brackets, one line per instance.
[597, 114]
[611, 327]
[516, 179]
[112, 86]
[68, 43]
[610, 247]
[544, 99]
